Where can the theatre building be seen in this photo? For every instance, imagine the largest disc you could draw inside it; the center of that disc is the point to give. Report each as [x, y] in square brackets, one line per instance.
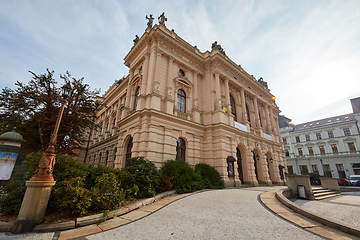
[199, 107]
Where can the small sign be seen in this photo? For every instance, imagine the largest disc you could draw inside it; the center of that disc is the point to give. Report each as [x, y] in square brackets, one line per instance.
[7, 163]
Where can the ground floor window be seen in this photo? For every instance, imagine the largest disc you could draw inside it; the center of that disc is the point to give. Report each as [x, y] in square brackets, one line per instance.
[180, 149]
[129, 149]
[341, 171]
[356, 168]
[304, 170]
[315, 168]
[327, 171]
[290, 169]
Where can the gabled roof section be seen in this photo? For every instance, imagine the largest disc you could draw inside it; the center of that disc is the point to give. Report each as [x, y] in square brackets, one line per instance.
[325, 122]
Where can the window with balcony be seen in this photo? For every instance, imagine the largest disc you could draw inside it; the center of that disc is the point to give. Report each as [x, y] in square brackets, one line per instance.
[347, 132]
[181, 101]
[311, 151]
[330, 134]
[334, 148]
[322, 150]
[351, 147]
[300, 151]
[307, 136]
[318, 136]
[297, 138]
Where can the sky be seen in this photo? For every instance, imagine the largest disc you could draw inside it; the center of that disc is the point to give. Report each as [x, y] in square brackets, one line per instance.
[308, 51]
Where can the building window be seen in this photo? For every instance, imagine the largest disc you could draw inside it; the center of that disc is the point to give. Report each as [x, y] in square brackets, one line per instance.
[180, 149]
[330, 134]
[247, 112]
[311, 151]
[300, 151]
[322, 150]
[315, 169]
[284, 140]
[347, 132]
[327, 171]
[318, 136]
[307, 136]
[304, 170]
[181, 101]
[136, 99]
[287, 154]
[334, 148]
[128, 149]
[99, 158]
[341, 171]
[356, 168]
[290, 169]
[107, 158]
[181, 73]
[233, 108]
[297, 138]
[351, 147]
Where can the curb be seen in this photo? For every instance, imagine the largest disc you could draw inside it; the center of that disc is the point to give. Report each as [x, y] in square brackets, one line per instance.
[323, 220]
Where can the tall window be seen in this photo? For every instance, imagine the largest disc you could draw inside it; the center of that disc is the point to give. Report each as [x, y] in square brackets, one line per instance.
[347, 132]
[181, 101]
[129, 149]
[307, 136]
[233, 109]
[297, 138]
[180, 149]
[247, 112]
[284, 140]
[287, 154]
[315, 168]
[290, 169]
[322, 150]
[331, 134]
[136, 99]
[334, 148]
[300, 151]
[107, 158]
[311, 151]
[318, 136]
[304, 170]
[352, 147]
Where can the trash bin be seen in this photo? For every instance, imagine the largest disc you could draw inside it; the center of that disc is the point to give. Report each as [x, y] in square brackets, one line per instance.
[301, 191]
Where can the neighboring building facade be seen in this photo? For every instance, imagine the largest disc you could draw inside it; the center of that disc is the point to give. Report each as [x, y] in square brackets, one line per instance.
[199, 107]
[330, 147]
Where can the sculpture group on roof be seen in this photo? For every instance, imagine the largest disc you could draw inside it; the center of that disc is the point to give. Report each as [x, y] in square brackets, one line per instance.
[218, 47]
[262, 82]
[162, 19]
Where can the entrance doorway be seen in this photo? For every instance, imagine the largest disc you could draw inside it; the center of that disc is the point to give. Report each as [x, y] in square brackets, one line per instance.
[239, 164]
[256, 158]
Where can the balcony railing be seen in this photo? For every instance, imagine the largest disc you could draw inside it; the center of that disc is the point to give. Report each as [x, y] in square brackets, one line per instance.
[323, 155]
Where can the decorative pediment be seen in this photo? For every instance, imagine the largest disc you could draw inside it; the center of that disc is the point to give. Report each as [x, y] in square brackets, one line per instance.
[183, 81]
[349, 139]
[137, 77]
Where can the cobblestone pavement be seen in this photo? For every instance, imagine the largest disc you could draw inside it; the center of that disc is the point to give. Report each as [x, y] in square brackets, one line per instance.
[221, 214]
[345, 208]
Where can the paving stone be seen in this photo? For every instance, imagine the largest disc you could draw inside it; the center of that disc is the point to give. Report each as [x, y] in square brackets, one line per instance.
[134, 215]
[79, 232]
[83, 221]
[267, 195]
[148, 201]
[134, 205]
[298, 220]
[113, 223]
[119, 212]
[277, 208]
[331, 233]
[49, 227]
[152, 207]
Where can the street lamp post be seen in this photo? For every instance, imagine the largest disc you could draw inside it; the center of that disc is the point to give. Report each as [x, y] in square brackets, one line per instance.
[38, 188]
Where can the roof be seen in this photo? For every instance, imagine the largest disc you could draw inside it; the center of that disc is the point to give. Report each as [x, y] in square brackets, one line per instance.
[12, 136]
[325, 122]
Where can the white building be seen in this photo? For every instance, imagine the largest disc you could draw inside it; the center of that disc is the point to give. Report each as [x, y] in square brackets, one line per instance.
[330, 147]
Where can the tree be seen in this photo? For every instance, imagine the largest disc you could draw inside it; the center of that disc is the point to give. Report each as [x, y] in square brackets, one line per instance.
[33, 108]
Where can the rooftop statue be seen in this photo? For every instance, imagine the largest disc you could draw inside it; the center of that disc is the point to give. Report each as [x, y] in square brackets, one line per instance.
[262, 82]
[150, 21]
[217, 46]
[136, 39]
[162, 19]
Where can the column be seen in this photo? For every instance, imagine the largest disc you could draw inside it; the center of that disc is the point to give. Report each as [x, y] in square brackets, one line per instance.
[243, 106]
[268, 118]
[145, 78]
[195, 90]
[227, 94]
[151, 69]
[217, 92]
[257, 123]
[128, 92]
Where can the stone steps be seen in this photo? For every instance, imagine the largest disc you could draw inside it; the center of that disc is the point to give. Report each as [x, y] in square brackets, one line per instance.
[321, 193]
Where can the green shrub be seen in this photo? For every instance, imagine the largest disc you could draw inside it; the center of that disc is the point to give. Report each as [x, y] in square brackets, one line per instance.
[144, 174]
[107, 193]
[166, 183]
[71, 195]
[185, 179]
[314, 179]
[209, 176]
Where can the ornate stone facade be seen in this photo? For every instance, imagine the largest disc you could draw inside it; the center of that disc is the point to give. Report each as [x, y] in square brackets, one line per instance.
[177, 99]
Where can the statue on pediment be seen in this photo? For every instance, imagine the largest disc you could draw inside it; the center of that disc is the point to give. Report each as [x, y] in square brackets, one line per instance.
[162, 19]
[218, 47]
[150, 21]
[136, 39]
[262, 82]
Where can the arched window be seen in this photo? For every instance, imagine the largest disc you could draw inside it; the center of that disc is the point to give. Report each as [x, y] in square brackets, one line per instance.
[233, 108]
[99, 158]
[181, 73]
[180, 149]
[247, 112]
[129, 149]
[181, 101]
[136, 99]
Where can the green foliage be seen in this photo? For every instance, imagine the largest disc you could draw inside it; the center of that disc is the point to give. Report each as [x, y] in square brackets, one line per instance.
[71, 195]
[144, 174]
[107, 193]
[185, 179]
[210, 177]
